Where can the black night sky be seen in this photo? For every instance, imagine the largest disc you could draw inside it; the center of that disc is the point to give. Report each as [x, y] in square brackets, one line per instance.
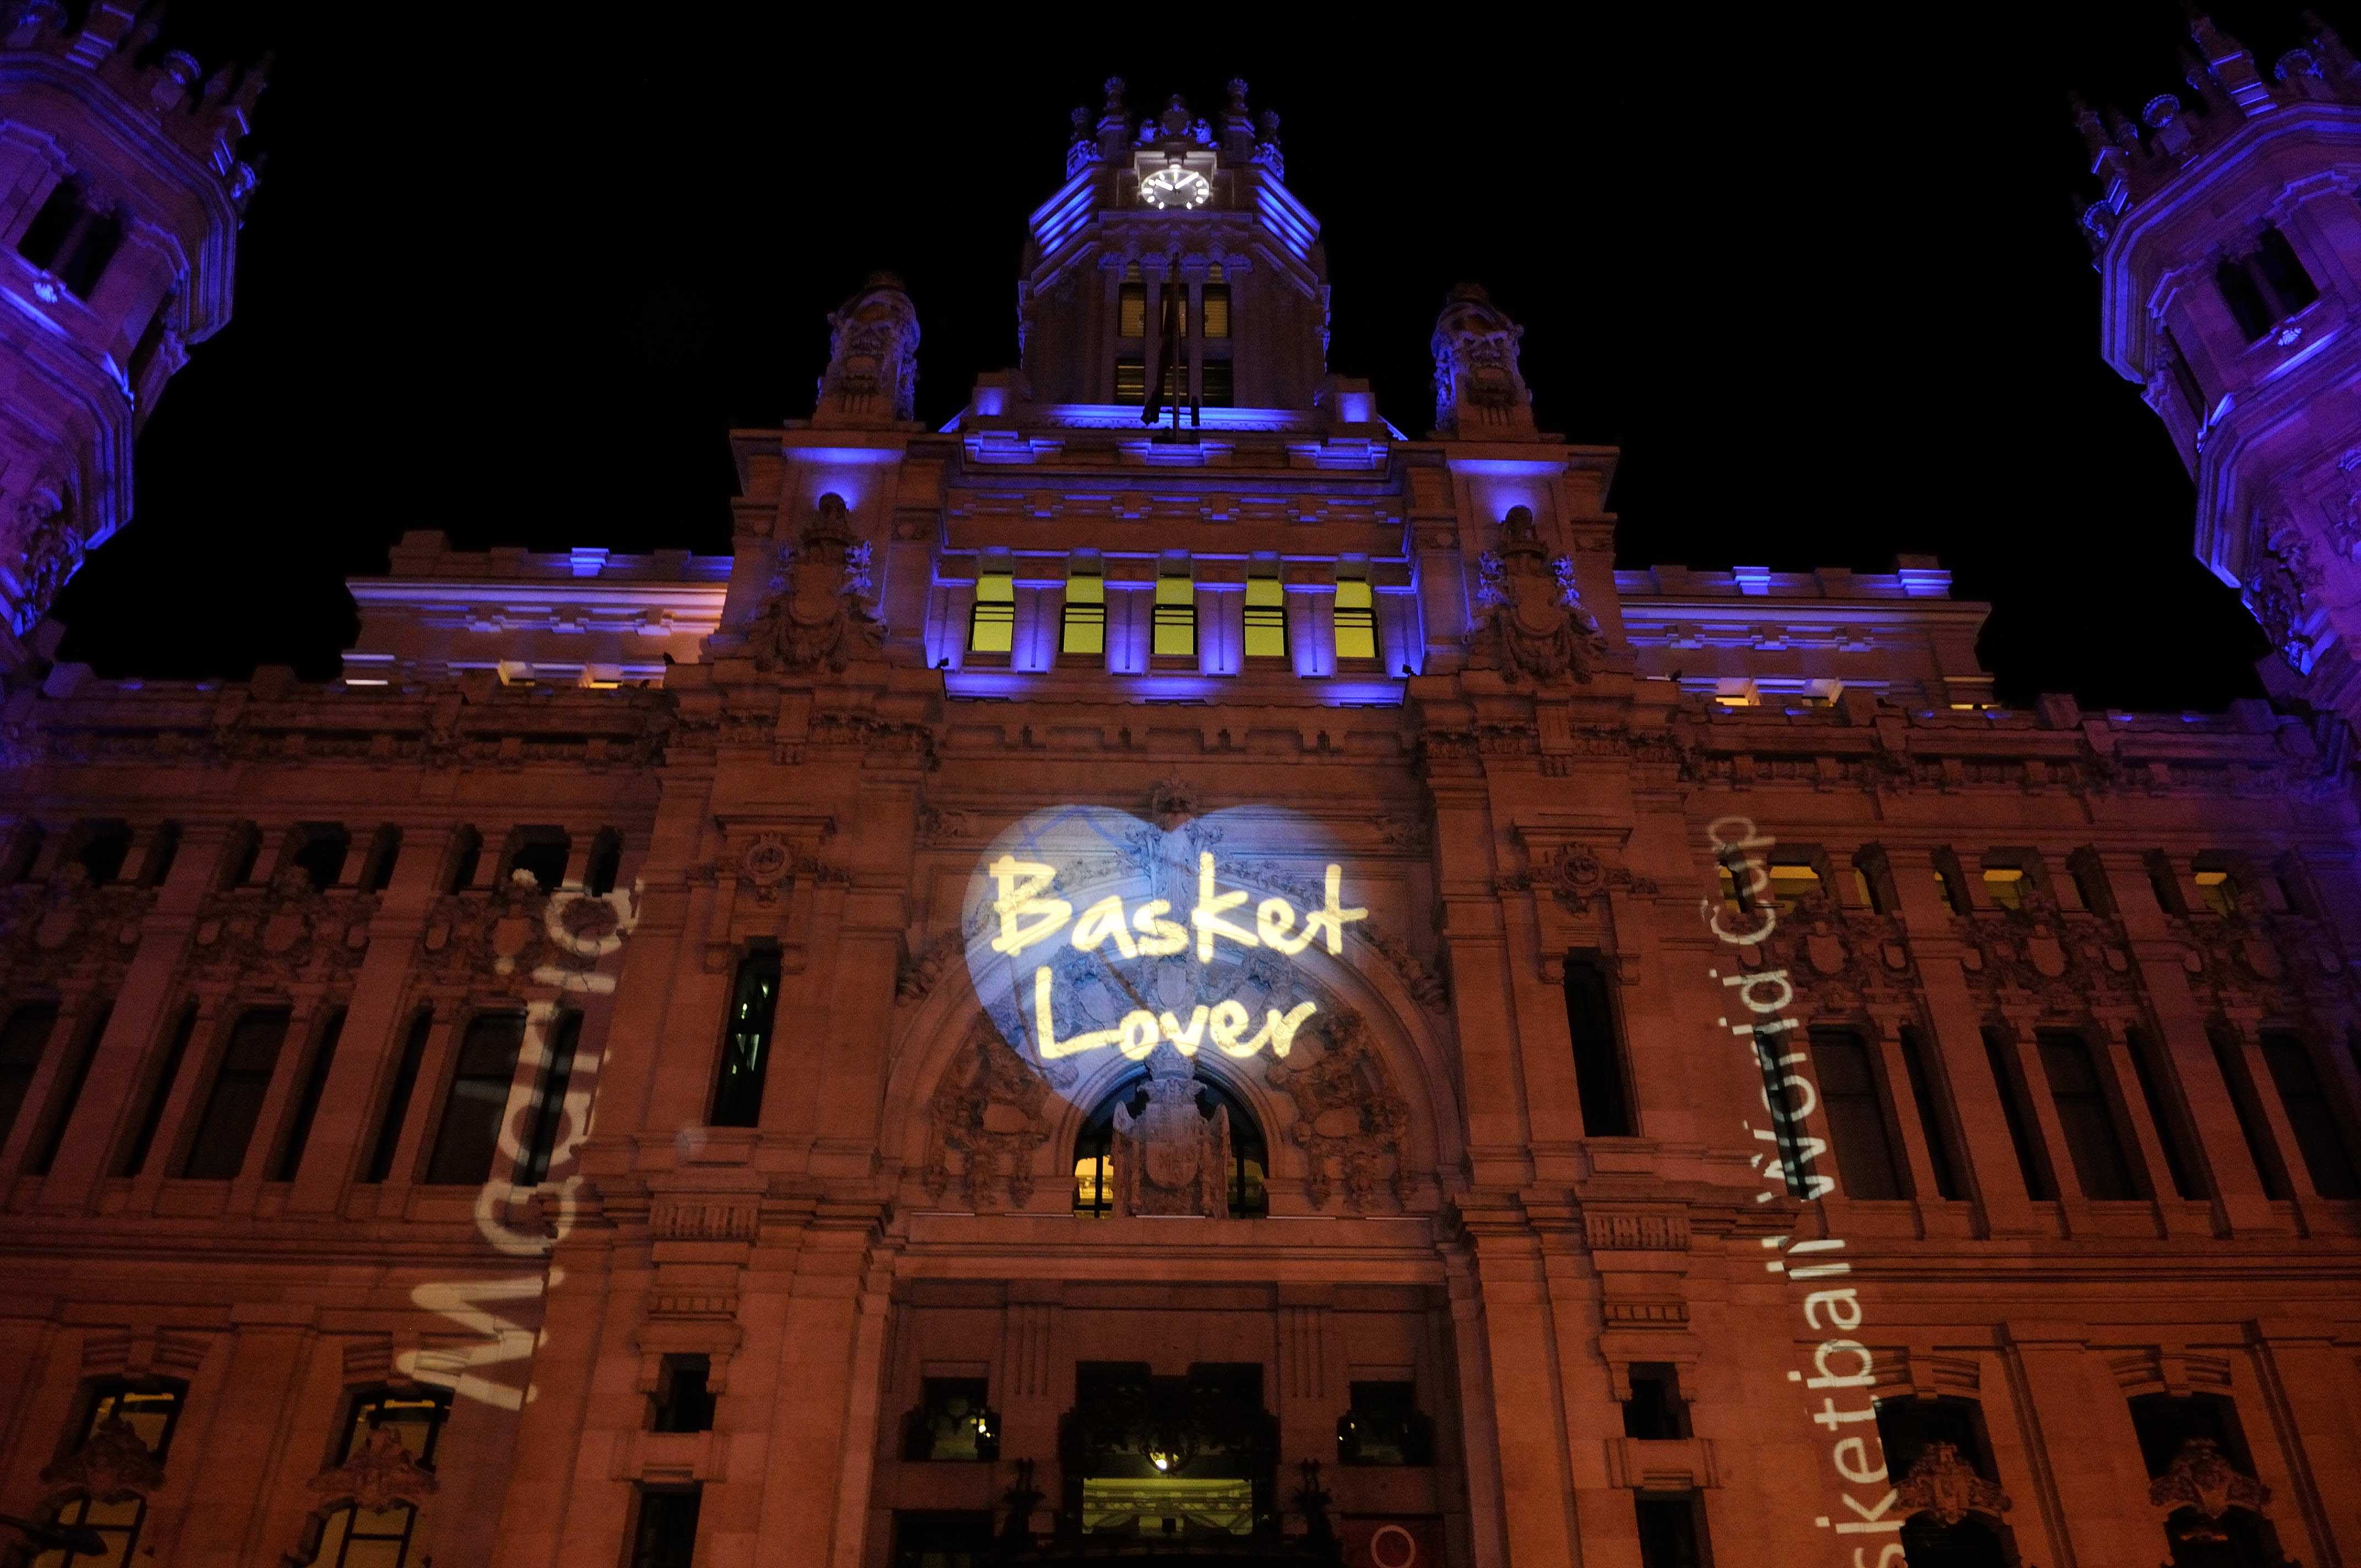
[515, 279]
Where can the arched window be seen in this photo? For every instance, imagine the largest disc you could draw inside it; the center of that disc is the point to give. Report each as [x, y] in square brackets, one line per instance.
[1096, 1174]
[115, 1413]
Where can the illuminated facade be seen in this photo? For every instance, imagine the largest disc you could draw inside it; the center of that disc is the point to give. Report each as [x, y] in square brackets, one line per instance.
[1097, 963]
[121, 191]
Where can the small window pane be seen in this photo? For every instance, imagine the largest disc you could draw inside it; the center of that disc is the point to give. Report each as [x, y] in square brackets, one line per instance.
[469, 1138]
[1081, 627]
[2004, 885]
[1266, 619]
[992, 626]
[1356, 620]
[1175, 619]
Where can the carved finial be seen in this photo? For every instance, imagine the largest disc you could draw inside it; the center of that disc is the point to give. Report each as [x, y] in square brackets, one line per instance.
[1114, 98]
[1478, 391]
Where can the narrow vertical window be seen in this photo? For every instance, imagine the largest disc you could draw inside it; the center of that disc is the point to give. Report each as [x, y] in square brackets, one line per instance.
[53, 1135]
[2018, 1116]
[384, 850]
[477, 1101]
[2229, 1057]
[46, 234]
[2085, 1116]
[100, 850]
[134, 1154]
[2004, 885]
[1672, 1530]
[1082, 624]
[1175, 617]
[1598, 1065]
[320, 849]
[1947, 882]
[1941, 1148]
[307, 1104]
[1217, 384]
[1130, 378]
[1266, 619]
[1855, 1108]
[22, 1040]
[398, 1096]
[683, 1400]
[542, 854]
[561, 1036]
[665, 1533]
[2311, 1116]
[1131, 304]
[1213, 301]
[162, 850]
[2283, 273]
[94, 248]
[606, 863]
[2184, 376]
[466, 855]
[2244, 298]
[234, 1103]
[2152, 1070]
[1655, 1412]
[992, 623]
[1356, 621]
[746, 1043]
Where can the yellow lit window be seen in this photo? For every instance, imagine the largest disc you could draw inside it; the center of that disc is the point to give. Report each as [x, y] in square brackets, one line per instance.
[1864, 894]
[2004, 885]
[992, 626]
[1266, 619]
[1175, 619]
[1356, 620]
[1789, 882]
[1131, 315]
[1130, 378]
[1082, 629]
[1217, 301]
[2221, 894]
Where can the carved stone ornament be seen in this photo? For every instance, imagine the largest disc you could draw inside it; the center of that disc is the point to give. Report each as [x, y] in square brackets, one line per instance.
[516, 931]
[873, 358]
[1576, 875]
[916, 976]
[764, 863]
[822, 616]
[2201, 1479]
[1533, 622]
[49, 930]
[47, 552]
[1171, 1158]
[112, 1466]
[987, 1118]
[283, 931]
[1947, 1488]
[380, 1474]
[1478, 392]
[1172, 801]
[1349, 1122]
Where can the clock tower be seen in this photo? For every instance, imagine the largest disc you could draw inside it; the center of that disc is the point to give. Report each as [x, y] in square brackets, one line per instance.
[1174, 250]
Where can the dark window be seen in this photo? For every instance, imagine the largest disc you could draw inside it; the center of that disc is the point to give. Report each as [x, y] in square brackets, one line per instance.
[467, 857]
[53, 1136]
[1098, 1172]
[1384, 1426]
[746, 1041]
[307, 1105]
[1941, 1149]
[384, 852]
[1855, 1108]
[1947, 882]
[541, 853]
[2149, 1065]
[1131, 309]
[1599, 1067]
[2091, 886]
[398, 1096]
[94, 248]
[562, 1033]
[681, 1402]
[152, 1411]
[46, 234]
[2013, 1111]
[22, 1040]
[1907, 1427]
[151, 338]
[1216, 380]
[664, 1534]
[931, 1539]
[24, 848]
[1214, 301]
[320, 850]
[954, 1421]
[1672, 1530]
[2160, 883]
[1655, 1412]
[101, 848]
[2244, 298]
[2169, 1423]
[2184, 378]
[477, 1101]
[2311, 1116]
[2283, 273]
[245, 848]
[234, 1103]
[2229, 1057]
[2085, 1116]
[606, 863]
[134, 1154]
[162, 850]
[358, 1536]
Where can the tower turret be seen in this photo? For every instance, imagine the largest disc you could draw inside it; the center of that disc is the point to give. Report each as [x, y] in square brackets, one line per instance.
[1171, 211]
[121, 191]
[2228, 241]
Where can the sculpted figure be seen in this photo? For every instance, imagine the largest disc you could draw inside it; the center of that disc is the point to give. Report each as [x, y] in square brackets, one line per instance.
[873, 358]
[1172, 1159]
[1533, 622]
[822, 617]
[1479, 393]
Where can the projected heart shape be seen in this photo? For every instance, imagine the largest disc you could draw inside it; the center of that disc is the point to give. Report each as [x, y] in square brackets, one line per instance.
[1088, 930]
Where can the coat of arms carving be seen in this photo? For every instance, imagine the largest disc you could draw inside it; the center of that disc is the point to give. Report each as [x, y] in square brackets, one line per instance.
[820, 615]
[1533, 624]
[1170, 1158]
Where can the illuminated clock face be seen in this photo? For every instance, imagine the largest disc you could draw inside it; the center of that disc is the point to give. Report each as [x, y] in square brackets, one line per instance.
[1174, 187]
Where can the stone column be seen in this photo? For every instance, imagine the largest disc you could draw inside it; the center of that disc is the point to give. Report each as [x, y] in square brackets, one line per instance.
[182, 1097]
[2087, 1456]
[418, 1118]
[2307, 1380]
[2148, 1138]
[250, 1438]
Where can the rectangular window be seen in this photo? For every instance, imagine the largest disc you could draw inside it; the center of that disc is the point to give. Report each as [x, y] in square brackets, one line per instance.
[561, 1035]
[1655, 1412]
[315, 1084]
[1672, 1530]
[2167, 1423]
[953, 1421]
[2218, 888]
[2013, 1112]
[2229, 1057]
[1266, 618]
[234, 1105]
[1082, 625]
[396, 1098]
[2153, 1072]
[1384, 1426]
[1597, 1051]
[665, 1533]
[746, 1045]
[1215, 298]
[53, 1135]
[2283, 273]
[1217, 383]
[1955, 897]
[991, 624]
[1175, 618]
[1130, 378]
[2004, 885]
[1131, 309]
[683, 1400]
[1855, 1106]
[2184, 377]
[2085, 1116]
[151, 1410]
[1791, 880]
[134, 1154]
[358, 1537]
[2311, 1116]
[1356, 617]
[1936, 1127]
[22, 1040]
[477, 1101]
